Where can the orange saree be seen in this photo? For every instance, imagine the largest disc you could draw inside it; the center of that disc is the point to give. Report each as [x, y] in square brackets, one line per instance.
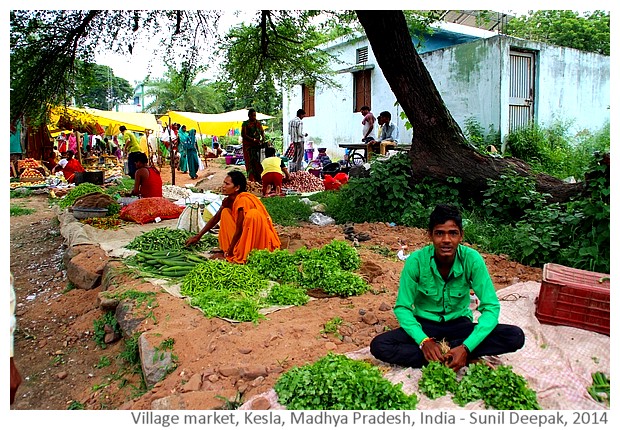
[258, 231]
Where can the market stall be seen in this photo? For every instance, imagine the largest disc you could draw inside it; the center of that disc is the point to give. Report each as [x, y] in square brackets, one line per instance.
[215, 124]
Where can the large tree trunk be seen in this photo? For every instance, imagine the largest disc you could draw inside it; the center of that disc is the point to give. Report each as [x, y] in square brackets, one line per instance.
[438, 147]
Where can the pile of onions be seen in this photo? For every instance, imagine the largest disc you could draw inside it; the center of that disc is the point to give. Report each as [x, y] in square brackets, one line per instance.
[304, 182]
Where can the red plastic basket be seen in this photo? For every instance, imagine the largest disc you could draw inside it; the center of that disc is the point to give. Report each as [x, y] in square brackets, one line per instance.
[574, 297]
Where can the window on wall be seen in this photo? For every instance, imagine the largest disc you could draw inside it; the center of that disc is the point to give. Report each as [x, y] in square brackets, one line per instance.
[361, 89]
[361, 55]
[307, 93]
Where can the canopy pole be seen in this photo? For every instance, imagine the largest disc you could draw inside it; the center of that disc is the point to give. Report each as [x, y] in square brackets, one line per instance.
[172, 156]
[197, 147]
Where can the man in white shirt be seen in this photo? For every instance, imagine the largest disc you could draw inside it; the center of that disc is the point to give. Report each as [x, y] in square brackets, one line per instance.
[296, 134]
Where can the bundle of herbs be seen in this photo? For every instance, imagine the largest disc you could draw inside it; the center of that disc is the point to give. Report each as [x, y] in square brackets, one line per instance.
[500, 388]
[336, 382]
[329, 268]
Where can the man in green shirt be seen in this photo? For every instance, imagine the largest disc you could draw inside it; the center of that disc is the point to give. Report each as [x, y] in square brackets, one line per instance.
[433, 304]
[132, 148]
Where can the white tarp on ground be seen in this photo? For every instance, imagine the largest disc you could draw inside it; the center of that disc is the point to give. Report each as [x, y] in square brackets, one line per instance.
[557, 361]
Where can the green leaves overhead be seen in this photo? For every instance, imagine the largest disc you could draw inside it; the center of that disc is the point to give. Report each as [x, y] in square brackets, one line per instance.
[590, 32]
[279, 46]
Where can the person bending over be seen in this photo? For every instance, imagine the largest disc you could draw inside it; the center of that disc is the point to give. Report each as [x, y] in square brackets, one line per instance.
[274, 172]
[245, 224]
[433, 304]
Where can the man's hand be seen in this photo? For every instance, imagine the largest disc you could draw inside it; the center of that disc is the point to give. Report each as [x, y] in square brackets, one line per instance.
[456, 358]
[432, 351]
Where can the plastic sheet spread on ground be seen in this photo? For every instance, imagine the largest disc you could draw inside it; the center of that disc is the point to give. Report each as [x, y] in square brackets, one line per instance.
[113, 243]
[556, 361]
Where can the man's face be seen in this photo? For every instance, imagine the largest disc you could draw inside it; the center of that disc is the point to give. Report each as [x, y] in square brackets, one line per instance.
[446, 238]
[364, 111]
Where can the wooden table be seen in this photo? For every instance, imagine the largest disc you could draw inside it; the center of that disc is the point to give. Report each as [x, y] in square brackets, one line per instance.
[362, 152]
[359, 154]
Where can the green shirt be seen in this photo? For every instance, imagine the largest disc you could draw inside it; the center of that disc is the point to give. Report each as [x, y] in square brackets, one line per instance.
[131, 142]
[424, 293]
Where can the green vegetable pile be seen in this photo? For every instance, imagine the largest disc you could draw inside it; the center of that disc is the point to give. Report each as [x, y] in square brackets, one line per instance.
[437, 380]
[499, 388]
[169, 239]
[600, 388]
[77, 192]
[336, 382]
[238, 292]
[235, 291]
[167, 263]
[328, 268]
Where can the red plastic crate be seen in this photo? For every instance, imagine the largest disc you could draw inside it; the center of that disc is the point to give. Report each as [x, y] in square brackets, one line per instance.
[574, 297]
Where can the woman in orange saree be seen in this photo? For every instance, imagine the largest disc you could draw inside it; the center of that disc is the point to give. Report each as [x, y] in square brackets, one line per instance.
[244, 222]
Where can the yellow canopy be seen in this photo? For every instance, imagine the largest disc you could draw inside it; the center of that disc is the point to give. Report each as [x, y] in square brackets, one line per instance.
[67, 118]
[134, 121]
[215, 124]
[87, 118]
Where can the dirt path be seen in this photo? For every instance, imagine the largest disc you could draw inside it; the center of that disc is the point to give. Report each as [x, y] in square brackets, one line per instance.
[64, 368]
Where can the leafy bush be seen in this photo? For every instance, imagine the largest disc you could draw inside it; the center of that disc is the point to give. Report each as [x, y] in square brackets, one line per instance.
[553, 150]
[336, 382]
[476, 135]
[507, 198]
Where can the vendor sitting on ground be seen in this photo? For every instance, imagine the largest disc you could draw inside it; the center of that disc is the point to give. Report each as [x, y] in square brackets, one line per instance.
[274, 172]
[244, 222]
[433, 304]
[68, 166]
[323, 158]
[148, 181]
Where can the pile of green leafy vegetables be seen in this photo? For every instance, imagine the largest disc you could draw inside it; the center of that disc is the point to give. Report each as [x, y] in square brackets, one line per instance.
[277, 278]
[336, 382]
[500, 388]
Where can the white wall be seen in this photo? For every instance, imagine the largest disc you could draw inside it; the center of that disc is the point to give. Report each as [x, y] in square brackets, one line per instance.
[473, 80]
[573, 85]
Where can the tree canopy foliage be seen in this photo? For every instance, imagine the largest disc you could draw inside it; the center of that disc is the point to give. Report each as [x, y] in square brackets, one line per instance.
[46, 45]
[97, 87]
[179, 90]
[590, 32]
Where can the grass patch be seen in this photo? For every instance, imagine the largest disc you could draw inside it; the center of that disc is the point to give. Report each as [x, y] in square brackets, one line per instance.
[287, 211]
[20, 193]
[17, 210]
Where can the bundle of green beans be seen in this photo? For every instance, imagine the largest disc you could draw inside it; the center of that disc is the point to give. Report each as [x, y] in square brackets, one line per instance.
[599, 390]
[169, 239]
[173, 264]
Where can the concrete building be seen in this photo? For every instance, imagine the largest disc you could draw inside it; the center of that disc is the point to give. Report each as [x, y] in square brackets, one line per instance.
[499, 81]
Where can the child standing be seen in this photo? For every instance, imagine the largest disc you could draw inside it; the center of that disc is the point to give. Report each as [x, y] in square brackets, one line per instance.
[309, 151]
[274, 170]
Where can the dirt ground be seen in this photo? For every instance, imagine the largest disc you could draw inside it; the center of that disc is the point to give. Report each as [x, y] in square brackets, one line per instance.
[63, 367]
